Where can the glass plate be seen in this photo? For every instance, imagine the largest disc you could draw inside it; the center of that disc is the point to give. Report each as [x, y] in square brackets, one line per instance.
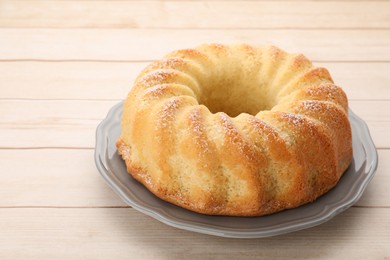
[346, 193]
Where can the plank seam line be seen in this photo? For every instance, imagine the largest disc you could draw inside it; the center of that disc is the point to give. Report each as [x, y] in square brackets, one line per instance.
[126, 207]
[65, 99]
[118, 100]
[151, 60]
[88, 148]
[61, 207]
[113, 27]
[265, 1]
[47, 148]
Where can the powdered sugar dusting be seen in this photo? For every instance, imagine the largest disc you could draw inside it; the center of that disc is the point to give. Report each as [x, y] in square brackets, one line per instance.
[293, 119]
[326, 92]
[166, 116]
[172, 62]
[322, 111]
[268, 134]
[227, 126]
[156, 91]
[311, 105]
[298, 122]
[157, 77]
[200, 138]
[235, 138]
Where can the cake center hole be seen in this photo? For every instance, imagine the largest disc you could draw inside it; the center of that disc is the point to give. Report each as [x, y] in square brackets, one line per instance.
[234, 96]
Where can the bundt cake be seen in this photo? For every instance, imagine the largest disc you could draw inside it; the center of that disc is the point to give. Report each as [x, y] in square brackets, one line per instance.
[235, 130]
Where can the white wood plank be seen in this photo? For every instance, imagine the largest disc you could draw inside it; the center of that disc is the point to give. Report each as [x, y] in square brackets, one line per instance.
[125, 233]
[361, 81]
[53, 178]
[378, 192]
[174, 14]
[66, 177]
[69, 80]
[235, 0]
[69, 178]
[378, 122]
[72, 123]
[59, 123]
[149, 44]
[113, 80]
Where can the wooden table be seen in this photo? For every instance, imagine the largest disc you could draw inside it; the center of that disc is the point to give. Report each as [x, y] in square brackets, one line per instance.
[64, 64]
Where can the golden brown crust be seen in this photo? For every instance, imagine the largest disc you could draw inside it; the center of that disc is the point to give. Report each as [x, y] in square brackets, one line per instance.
[236, 130]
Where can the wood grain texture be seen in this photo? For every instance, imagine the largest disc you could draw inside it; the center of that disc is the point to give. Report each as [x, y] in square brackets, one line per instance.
[53, 178]
[72, 123]
[113, 80]
[149, 44]
[65, 63]
[123, 233]
[59, 123]
[69, 178]
[174, 14]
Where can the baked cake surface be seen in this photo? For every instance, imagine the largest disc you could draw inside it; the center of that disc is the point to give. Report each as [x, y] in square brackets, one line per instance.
[236, 130]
